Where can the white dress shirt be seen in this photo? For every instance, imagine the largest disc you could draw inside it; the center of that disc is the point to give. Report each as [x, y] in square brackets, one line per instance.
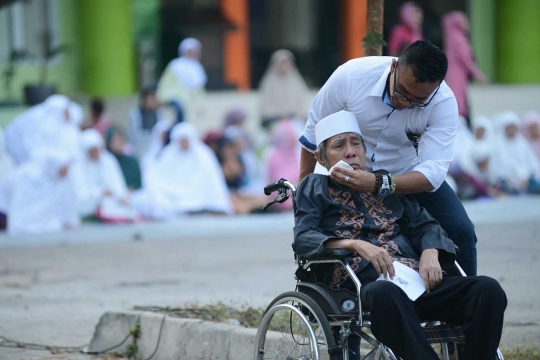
[358, 86]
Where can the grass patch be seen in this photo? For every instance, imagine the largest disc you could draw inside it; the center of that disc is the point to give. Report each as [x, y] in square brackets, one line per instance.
[246, 316]
[531, 352]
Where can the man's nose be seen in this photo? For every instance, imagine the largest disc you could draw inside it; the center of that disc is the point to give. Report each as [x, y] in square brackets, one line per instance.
[350, 152]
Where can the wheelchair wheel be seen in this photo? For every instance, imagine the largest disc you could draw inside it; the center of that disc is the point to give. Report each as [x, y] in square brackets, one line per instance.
[294, 327]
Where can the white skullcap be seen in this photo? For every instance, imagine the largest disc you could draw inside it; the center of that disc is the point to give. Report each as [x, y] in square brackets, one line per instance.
[90, 139]
[189, 44]
[337, 123]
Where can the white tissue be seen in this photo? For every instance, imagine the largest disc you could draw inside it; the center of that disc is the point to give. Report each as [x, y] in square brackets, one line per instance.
[341, 164]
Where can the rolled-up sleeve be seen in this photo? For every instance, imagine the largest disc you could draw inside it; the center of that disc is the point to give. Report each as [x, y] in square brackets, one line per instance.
[438, 142]
[309, 237]
[331, 98]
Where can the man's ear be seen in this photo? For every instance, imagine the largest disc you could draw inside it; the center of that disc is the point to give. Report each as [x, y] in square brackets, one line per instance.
[319, 158]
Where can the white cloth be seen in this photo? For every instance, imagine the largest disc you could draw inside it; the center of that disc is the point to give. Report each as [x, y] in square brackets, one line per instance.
[156, 143]
[140, 138]
[42, 125]
[189, 70]
[358, 87]
[338, 123]
[182, 181]
[7, 165]
[514, 158]
[36, 198]
[95, 177]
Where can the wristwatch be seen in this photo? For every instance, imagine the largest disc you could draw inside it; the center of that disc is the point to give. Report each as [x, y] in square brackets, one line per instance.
[385, 187]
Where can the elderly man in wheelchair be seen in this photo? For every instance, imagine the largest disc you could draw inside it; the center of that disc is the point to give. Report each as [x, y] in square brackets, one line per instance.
[354, 251]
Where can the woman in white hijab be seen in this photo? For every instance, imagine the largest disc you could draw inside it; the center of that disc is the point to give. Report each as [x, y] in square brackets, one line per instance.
[101, 188]
[184, 78]
[28, 131]
[283, 91]
[514, 158]
[186, 178]
[38, 196]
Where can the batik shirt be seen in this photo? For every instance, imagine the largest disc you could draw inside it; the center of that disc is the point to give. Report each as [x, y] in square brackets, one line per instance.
[327, 210]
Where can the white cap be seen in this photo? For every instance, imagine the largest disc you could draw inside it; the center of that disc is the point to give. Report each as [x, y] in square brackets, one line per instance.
[337, 123]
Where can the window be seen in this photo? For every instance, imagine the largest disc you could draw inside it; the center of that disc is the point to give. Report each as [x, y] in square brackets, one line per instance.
[23, 25]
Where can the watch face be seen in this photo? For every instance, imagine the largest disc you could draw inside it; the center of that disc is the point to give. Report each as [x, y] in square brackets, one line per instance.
[385, 192]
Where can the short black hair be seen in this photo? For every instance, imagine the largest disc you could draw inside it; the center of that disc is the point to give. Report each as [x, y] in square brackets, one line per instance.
[97, 106]
[427, 61]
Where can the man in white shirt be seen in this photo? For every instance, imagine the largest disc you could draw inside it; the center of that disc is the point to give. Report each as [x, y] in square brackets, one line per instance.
[408, 117]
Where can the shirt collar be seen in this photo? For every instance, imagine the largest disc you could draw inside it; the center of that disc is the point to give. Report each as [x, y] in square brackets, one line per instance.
[380, 85]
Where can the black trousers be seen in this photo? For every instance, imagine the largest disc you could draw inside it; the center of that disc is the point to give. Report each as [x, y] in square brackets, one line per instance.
[476, 303]
[447, 209]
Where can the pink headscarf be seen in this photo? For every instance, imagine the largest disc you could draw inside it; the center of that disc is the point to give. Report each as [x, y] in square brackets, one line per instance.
[407, 31]
[283, 161]
[529, 119]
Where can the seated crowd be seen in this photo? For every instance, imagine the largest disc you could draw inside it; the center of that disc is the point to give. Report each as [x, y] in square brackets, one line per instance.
[158, 168]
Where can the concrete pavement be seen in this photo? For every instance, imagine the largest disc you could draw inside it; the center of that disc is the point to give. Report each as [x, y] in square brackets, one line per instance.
[54, 288]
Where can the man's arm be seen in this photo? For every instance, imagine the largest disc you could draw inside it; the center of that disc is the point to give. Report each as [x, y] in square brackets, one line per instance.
[363, 181]
[307, 163]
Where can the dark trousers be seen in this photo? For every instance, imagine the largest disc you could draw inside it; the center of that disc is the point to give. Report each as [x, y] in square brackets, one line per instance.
[475, 303]
[447, 209]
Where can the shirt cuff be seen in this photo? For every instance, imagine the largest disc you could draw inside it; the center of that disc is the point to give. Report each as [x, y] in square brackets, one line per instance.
[309, 146]
[434, 172]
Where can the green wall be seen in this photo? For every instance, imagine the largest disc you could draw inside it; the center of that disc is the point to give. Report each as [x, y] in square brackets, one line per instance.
[482, 23]
[107, 48]
[63, 70]
[518, 41]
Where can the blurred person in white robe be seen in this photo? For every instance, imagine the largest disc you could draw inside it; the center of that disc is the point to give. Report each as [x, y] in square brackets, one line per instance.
[283, 91]
[157, 143]
[7, 165]
[21, 131]
[186, 178]
[101, 188]
[184, 79]
[38, 196]
[515, 160]
[463, 141]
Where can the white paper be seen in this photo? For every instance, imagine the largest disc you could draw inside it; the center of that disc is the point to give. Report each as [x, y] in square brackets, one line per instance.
[408, 280]
[341, 164]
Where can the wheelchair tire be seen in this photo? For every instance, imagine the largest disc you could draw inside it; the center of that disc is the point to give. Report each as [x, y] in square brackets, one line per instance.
[280, 334]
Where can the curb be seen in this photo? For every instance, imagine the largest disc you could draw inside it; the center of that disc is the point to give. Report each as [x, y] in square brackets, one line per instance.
[181, 339]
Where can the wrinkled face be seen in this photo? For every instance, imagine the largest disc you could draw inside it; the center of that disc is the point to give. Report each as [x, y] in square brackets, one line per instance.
[534, 131]
[479, 133]
[347, 147]
[403, 81]
[94, 153]
[63, 171]
[511, 131]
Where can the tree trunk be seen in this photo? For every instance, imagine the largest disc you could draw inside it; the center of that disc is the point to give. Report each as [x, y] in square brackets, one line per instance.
[374, 24]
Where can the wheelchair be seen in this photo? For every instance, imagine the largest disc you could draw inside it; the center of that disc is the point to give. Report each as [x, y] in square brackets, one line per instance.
[315, 322]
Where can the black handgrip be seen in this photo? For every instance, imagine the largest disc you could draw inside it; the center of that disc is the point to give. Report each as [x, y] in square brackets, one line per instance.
[270, 188]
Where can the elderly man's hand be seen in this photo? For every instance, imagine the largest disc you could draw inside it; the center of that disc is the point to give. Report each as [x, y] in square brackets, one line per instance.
[377, 256]
[430, 269]
[357, 180]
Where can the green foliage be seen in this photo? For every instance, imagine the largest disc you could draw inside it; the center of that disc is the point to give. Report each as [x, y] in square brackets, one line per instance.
[373, 38]
[131, 350]
[532, 352]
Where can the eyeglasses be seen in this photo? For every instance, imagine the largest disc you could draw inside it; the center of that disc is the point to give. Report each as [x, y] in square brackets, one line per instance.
[413, 103]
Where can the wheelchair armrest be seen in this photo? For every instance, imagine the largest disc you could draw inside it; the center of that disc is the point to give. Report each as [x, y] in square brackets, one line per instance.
[336, 254]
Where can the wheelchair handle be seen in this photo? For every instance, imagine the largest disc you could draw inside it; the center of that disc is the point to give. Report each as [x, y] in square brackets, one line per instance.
[281, 183]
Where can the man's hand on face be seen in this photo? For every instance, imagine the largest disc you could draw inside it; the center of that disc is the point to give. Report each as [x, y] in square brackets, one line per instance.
[377, 256]
[430, 269]
[359, 180]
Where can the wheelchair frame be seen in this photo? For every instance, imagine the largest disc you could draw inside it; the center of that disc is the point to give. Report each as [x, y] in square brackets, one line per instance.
[350, 322]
